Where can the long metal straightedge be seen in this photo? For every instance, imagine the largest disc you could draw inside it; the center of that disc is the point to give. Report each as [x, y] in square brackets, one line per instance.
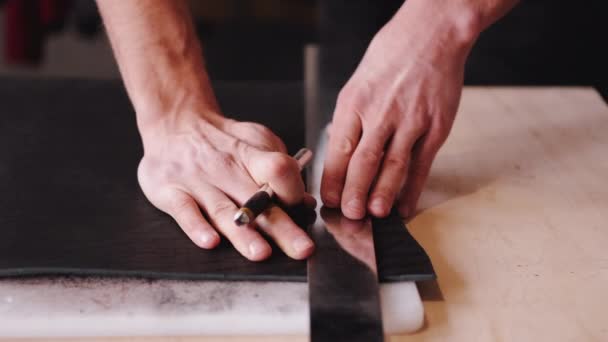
[343, 285]
[343, 281]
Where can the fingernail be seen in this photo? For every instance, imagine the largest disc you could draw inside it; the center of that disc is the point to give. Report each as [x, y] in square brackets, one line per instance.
[256, 248]
[332, 197]
[355, 206]
[208, 238]
[302, 244]
[379, 206]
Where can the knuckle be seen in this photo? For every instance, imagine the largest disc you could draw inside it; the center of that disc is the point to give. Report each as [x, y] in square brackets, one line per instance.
[344, 145]
[220, 163]
[383, 128]
[221, 208]
[156, 171]
[442, 125]
[243, 150]
[355, 92]
[345, 96]
[417, 123]
[267, 139]
[263, 130]
[369, 156]
[438, 135]
[351, 101]
[397, 163]
[281, 165]
[179, 204]
[169, 171]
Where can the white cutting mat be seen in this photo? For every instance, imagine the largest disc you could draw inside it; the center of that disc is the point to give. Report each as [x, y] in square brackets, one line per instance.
[62, 307]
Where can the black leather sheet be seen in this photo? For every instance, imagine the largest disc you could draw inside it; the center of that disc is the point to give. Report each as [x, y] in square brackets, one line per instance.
[70, 202]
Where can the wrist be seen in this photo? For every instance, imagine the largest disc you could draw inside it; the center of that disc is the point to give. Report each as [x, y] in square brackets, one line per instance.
[181, 119]
[181, 98]
[171, 91]
[453, 26]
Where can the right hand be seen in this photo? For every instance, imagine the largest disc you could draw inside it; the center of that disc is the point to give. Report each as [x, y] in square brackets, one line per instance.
[214, 164]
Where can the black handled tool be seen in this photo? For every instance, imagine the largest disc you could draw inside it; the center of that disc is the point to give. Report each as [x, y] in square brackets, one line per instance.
[262, 199]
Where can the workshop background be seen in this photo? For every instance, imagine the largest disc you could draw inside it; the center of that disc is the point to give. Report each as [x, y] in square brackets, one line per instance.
[540, 42]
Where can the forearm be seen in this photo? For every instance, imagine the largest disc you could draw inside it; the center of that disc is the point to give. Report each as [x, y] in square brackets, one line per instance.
[159, 57]
[454, 24]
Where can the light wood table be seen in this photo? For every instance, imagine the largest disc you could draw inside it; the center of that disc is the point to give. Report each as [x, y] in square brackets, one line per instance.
[515, 220]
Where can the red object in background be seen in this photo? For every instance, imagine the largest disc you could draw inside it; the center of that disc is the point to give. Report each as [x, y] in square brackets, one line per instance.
[53, 13]
[27, 22]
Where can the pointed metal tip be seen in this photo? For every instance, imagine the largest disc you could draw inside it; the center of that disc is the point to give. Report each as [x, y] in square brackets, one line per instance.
[241, 218]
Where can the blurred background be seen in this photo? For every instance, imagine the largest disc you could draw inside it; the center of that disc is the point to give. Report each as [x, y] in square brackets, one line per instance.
[541, 42]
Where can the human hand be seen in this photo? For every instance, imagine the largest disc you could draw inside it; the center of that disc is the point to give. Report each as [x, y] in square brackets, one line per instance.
[394, 113]
[194, 158]
[210, 163]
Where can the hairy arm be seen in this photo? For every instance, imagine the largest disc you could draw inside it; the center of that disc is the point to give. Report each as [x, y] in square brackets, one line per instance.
[159, 56]
[196, 160]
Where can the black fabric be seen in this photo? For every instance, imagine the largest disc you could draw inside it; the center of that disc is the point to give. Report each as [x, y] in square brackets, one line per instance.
[70, 202]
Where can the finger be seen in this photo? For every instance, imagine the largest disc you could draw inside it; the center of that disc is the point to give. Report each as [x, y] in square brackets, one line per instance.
[343, 139]
[277, 224]
[309, 201]
[220, 210]
[280, 171]
[394, 170]
[188, 216]
[361, 171]
[423, 155]
[292, 239]
[351, 227]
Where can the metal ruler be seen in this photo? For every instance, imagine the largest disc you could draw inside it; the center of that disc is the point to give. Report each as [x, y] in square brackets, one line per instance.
[343, 281]
[343, 284]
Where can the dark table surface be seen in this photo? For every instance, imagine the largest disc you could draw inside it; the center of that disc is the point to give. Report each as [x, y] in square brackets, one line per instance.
[70, 202]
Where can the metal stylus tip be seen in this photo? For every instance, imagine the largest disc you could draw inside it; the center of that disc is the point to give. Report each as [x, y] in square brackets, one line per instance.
[243, 216]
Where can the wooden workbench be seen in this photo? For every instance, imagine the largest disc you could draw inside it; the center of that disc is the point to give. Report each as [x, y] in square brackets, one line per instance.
[515, 220]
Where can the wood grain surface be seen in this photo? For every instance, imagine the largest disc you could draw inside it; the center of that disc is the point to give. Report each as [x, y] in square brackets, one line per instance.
[514, 218]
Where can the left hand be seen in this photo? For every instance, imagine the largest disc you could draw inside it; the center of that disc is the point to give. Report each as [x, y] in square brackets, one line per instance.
[199, 166]
[393, 115]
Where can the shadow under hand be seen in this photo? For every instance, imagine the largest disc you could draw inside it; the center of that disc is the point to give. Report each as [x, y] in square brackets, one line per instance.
[354, 236]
